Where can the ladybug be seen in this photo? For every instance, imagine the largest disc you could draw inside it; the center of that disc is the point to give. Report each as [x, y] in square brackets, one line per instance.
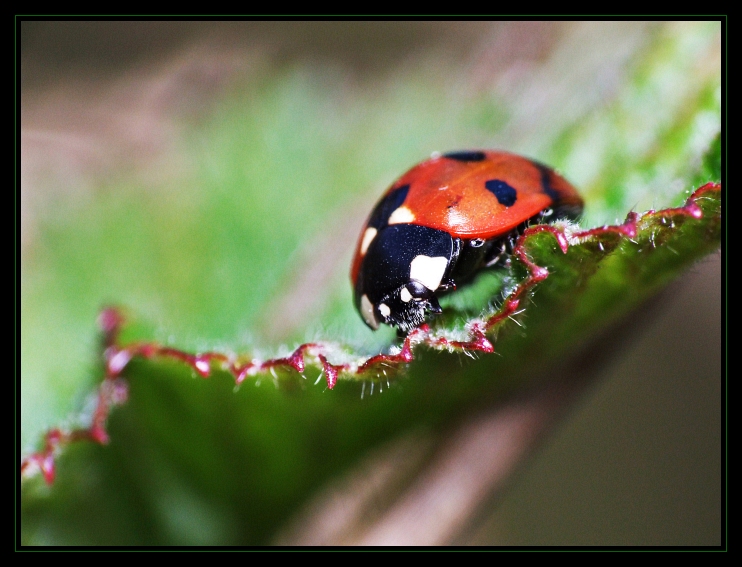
[444, 220]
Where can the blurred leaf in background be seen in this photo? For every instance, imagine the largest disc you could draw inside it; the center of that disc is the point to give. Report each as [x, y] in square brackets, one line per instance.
[213, 183]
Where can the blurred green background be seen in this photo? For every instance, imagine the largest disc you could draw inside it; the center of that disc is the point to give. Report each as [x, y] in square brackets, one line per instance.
[156, 158]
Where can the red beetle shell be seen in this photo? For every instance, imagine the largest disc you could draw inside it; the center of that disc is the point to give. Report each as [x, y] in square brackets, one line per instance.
[450, 194]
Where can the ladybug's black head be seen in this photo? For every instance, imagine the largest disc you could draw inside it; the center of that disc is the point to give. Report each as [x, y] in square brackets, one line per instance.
[403, 267]
[405, 307]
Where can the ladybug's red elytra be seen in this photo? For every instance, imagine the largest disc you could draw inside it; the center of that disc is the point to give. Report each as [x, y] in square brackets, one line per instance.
[444, 220]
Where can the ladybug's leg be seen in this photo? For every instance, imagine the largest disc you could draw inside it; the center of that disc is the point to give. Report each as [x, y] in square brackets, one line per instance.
[469, 258]
[447, 284]
[499, 253]
[500, 249]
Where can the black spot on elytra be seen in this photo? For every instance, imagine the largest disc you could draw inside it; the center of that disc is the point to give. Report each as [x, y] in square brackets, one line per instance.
[546, 181]
[561, 210]
[383, 210]
[466, 156]
[506, 195]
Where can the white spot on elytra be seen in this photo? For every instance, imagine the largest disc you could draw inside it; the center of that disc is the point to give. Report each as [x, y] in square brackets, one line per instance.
[401, 215]
[384, 309]
[367, 310]
[405, 295]
[368, 237]
[428, 271]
